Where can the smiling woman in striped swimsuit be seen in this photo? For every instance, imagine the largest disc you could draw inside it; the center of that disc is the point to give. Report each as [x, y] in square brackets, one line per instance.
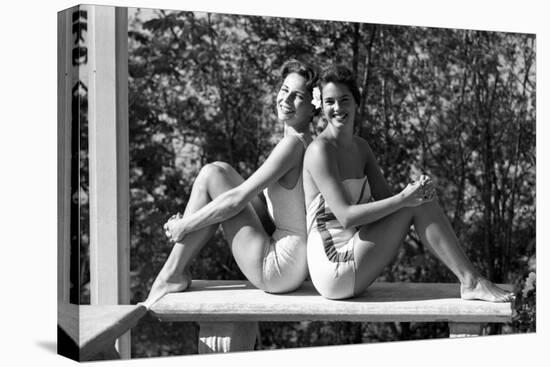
[355, 225]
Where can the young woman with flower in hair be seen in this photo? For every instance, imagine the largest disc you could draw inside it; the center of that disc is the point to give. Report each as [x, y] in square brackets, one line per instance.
[274, 262]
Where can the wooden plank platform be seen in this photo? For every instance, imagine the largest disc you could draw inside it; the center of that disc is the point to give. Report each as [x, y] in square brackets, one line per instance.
[236, 301]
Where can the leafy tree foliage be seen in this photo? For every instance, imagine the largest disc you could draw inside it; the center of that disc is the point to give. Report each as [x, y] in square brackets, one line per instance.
[458, 105]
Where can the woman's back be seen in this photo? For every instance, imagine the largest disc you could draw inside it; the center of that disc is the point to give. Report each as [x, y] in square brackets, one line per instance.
[286, 208]
[350, 162]
[286, 204]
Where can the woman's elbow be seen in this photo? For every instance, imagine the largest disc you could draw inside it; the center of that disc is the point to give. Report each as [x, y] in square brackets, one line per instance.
[349, 224]
[345, 224]
[234, 202]
[345, 220]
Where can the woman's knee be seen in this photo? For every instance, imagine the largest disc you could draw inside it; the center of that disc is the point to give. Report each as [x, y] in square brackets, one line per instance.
[412, 212]
[404, 216]
[223, 166]
[214, 169]
[212, 172]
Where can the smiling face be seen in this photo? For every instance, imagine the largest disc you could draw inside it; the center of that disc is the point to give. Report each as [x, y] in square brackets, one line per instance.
[338, 104]
[294, 101]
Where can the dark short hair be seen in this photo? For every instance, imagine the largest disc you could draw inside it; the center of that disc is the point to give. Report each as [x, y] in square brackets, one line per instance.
[308, 71]
[343, 75]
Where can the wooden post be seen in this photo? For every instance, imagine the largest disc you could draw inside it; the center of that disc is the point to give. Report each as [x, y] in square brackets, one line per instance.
[223, 337]
[107, 74]
[464, 329]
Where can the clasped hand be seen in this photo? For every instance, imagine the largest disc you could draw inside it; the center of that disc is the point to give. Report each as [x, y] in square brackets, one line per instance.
[173, 228]
[419, 192]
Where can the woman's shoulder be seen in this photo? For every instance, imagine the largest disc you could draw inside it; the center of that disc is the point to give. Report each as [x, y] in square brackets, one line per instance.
[320, 144]
[290, 142]
[319, 149]
[290, 149]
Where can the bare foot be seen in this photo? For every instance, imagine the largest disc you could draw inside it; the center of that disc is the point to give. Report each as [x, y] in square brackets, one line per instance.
[162, 286]
[485, 290]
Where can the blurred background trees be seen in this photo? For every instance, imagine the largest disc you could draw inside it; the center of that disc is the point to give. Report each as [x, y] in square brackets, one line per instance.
[458, 105]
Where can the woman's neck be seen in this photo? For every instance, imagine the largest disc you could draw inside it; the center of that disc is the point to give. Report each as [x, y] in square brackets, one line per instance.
[343, 135]
[289, 130]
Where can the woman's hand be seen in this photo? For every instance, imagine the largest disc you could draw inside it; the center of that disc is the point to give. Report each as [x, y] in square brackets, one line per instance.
[174, 228]
[419, 192]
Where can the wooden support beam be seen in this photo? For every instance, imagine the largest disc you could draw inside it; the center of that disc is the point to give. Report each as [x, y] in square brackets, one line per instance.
[464, 329]
[107, 73]
[224, 337]
[109, 157]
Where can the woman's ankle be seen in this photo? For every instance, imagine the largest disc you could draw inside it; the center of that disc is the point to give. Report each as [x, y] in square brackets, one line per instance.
[470, 281]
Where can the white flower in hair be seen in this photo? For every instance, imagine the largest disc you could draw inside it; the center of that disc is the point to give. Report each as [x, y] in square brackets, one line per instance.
[316, 100]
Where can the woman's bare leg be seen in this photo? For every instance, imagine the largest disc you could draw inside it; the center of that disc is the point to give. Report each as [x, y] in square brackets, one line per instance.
[377, 244]
[244, 232]
[174, 276]
[213, 180]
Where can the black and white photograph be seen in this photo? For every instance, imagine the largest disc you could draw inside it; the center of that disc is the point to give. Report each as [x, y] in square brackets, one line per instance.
[251, 184]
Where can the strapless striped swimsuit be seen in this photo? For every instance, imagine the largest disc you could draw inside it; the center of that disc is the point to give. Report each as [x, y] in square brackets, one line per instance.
[330, 247]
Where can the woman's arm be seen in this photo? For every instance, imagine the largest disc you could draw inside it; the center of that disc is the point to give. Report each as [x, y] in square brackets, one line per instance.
[323, 168]
[286, 155]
